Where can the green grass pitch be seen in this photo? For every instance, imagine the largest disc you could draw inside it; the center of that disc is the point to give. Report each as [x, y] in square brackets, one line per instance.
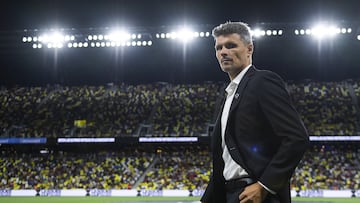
[145, 199]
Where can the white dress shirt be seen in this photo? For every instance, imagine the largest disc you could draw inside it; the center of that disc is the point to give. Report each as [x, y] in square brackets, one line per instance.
[232, 170]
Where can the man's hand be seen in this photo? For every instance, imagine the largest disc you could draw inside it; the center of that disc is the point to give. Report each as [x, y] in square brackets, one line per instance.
[253, 193]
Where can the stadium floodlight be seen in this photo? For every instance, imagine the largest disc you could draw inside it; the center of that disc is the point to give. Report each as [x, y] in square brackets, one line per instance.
[92, 44]
[268, 32]
[302, 32]
[29, 39]
[80, 44]
[97, 44]
[39, 46]
[162, 35]
[119, 36]
[157, 35]
[185, 35]
[107, 44]
[95, 37]
[167, 35]
[358, 37]
[90, 37]
[138, 43]
[202, 34]
[24, 39]
[308, 31]
[259, 33]
[349, 30]
[322, 31]
[75, 44]
[85, 44]
[101, 37]
[102, 44]
[296, 32]
[35, 39]
[149, 43]
[69, 45]
[207, 34]
[34, 46]
[133, 43]
[67, 38]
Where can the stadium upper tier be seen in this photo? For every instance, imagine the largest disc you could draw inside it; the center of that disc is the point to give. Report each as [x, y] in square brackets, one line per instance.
[161, 109]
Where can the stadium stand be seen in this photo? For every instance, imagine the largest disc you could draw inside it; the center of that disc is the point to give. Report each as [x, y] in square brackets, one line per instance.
[327, 108]
[325, 166]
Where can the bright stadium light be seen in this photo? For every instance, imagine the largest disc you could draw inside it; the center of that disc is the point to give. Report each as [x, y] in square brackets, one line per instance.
[259, 33]
[358, 37]
[119, 36]
[24, 39]
[322, 31]
[149, 43]
[185, 35]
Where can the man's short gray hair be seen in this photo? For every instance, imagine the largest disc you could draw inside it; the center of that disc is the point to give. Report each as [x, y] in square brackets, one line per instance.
[240, 28]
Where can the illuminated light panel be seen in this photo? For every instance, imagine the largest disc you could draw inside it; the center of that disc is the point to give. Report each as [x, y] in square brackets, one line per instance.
[119, 36]
[259, 33]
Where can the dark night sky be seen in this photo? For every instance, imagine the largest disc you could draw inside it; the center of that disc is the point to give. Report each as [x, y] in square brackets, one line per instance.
[293, 58]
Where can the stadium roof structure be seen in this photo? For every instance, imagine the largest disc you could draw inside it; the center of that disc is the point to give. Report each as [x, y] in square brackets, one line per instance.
[285, 42]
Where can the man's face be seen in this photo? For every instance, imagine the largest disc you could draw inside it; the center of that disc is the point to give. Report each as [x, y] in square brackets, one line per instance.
[232, 53]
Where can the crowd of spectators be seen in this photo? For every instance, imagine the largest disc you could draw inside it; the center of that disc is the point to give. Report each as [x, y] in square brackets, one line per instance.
[68, 170]
[181, 169]
[185, 110]
[52, 111]
[334, 167]
[327, 108]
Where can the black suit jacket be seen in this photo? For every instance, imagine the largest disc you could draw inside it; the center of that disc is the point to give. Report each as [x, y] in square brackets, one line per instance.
[264, 135]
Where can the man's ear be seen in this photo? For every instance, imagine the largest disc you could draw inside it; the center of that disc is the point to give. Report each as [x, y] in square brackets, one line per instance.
[250, 48]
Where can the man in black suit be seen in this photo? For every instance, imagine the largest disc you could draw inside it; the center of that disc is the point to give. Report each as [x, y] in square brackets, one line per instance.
[259, 138]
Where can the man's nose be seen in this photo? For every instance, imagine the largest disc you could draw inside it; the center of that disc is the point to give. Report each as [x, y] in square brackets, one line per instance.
[224, 52]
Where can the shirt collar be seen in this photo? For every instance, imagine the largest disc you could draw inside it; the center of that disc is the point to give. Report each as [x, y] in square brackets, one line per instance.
[236, 81]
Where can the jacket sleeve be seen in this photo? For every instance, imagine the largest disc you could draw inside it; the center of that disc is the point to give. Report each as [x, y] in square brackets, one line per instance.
[276, 105]
[208, 194]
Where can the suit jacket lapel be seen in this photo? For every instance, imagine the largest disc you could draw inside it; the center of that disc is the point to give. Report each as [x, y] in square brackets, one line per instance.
[239, 92]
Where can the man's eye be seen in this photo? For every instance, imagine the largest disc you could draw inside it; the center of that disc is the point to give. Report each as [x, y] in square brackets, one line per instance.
[229, 46]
